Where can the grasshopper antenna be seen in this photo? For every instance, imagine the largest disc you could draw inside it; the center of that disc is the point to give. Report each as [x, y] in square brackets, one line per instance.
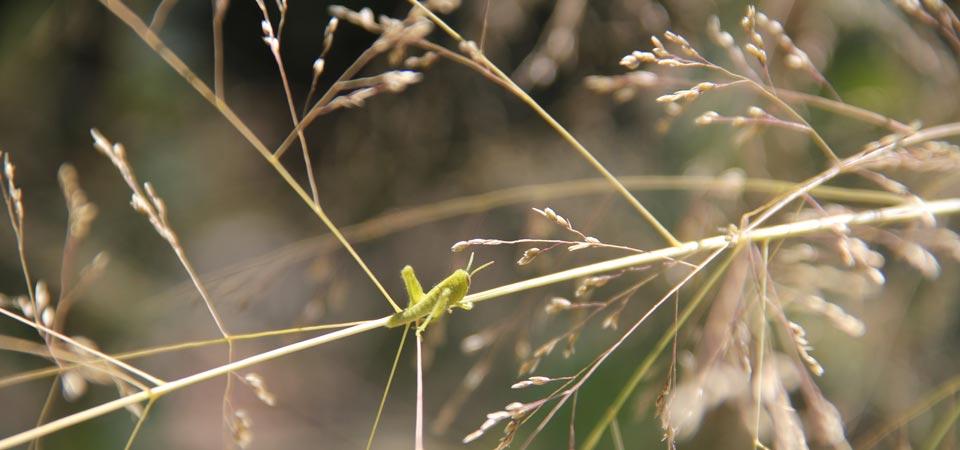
[469, 263]
[483, 266]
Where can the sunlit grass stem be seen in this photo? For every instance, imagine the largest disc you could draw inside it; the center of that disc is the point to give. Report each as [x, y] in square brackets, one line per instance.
[884, 215]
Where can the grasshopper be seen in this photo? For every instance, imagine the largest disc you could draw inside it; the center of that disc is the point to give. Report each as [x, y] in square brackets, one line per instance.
[430, 306]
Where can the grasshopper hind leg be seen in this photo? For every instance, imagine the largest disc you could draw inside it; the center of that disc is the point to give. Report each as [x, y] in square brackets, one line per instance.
[414, 290]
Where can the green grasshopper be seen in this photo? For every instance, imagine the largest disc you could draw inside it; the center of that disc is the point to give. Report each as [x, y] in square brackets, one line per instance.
[430, 306]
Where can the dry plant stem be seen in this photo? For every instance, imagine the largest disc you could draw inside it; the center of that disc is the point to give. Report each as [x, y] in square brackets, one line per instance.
[418, 427]
[463, 60]
[390, 222]
[408, 218]
[647, 215]
[67, 363]
[152, 207]
[616, 436]
[837, 107]
[122, 12]
[454, 402]
[606, 353]
[943, 427]
[107, 358]
[878, 216]
[27, 347]
[160, 14]
[770, 95]
[317, 109]
[574, 382]
[623, 297]
[483, 27]
[946, 24]
[345, 79]
[640, 373]
[817, 139]
[914, 206]
[163, 389]
[133, 21]
[139, 425]
[773, 97]
[826, 104]
[484, 202]
[572, 442]
[195, 279]
[13, 199]
[308, 165]
[226, 406]
[386, 389]
[947, 389]
[45, 410]
[62, 362]
[219, 14]
[845, 109]
[16, 221]
[761, 121]
[67, 298]
[523, 96]
[553, 243]
[761, 341]
[775, 205]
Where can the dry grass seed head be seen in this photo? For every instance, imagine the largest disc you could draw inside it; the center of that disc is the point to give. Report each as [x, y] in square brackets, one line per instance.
[932, 156]
[514, 411]
[255, 381]
[687, 403]
[364, 18]
[556, 305]
[623, 87]
[799, 336]
[825, 424]
[15, 195]
[80, 212]
[840, 319]
[241, 428]
[42, 305]
[328, 33]
[421, 62]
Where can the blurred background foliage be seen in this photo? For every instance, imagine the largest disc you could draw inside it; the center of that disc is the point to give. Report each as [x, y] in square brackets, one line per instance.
[67, 66]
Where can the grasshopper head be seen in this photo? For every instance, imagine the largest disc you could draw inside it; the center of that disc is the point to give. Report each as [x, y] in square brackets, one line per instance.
[470, 273]
[462, 282]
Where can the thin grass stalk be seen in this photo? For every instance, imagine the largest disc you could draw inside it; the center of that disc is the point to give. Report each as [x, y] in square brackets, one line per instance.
[156, 44]
[180, 383]
[885, 215]
[943, 427]
[586, 154]
[386, 389]
[944, 391]
[139, 425]
[68, 364]
[641, 372]
[418, 426]
[761, 341]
